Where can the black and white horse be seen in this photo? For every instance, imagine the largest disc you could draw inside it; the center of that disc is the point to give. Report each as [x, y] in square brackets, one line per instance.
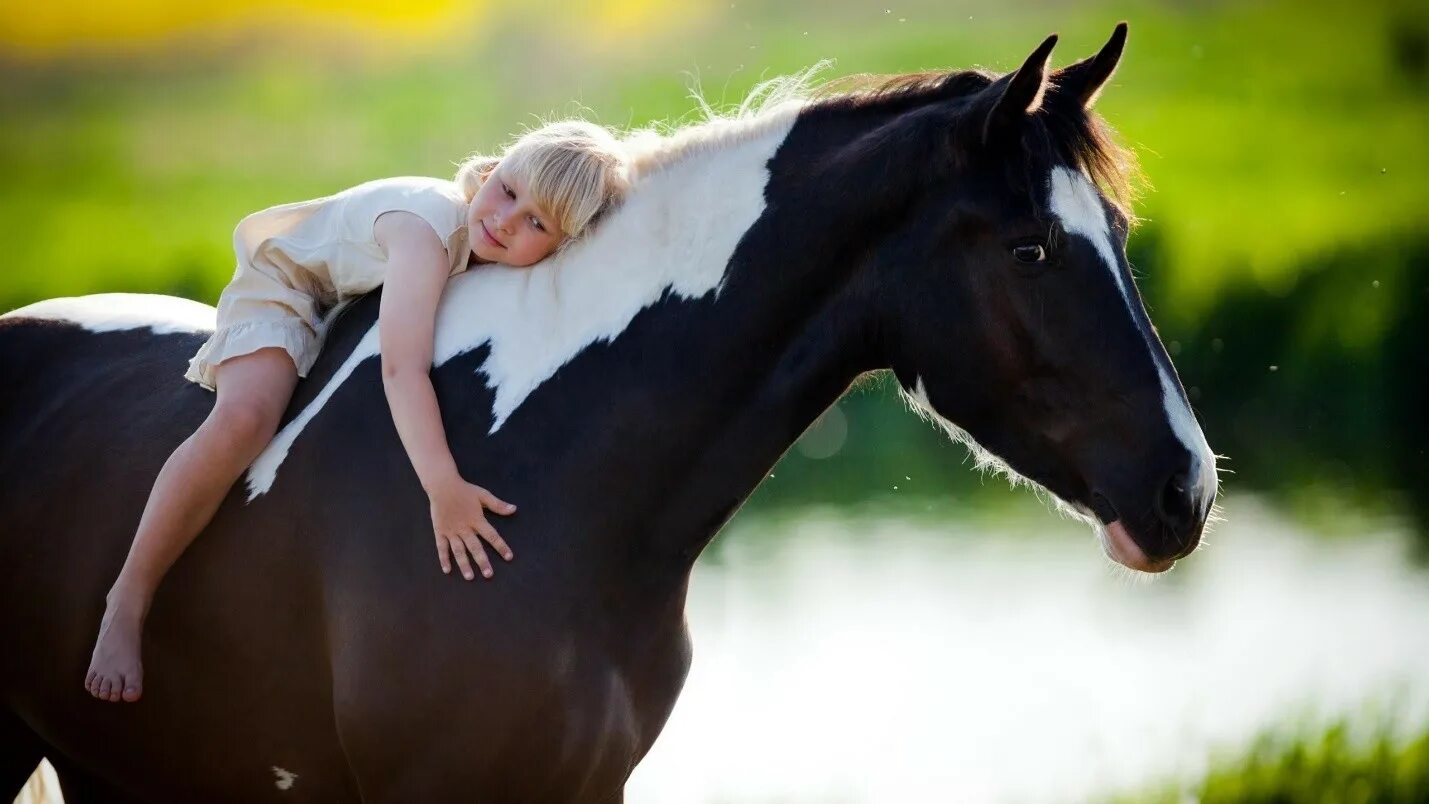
[962, 229]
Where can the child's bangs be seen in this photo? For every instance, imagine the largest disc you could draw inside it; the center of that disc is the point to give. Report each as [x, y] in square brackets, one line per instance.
[561, 182]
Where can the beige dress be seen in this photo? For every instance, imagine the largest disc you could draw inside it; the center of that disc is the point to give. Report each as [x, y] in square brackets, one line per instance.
[296, 262]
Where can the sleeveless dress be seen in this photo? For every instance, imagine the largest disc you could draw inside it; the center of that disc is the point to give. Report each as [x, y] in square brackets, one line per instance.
[297, 262]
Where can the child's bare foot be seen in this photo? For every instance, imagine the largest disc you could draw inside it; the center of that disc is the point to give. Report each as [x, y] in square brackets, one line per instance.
[115, 670]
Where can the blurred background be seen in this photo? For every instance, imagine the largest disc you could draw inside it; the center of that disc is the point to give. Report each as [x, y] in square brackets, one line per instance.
[880, 623]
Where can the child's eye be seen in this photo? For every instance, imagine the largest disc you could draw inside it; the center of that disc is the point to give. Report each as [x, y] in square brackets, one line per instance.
[507, 188]
[536, 223]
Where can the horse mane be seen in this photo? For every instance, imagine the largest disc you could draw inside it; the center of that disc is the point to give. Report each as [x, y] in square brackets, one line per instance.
[1079, 135]
[1091, 144]
[771, 104]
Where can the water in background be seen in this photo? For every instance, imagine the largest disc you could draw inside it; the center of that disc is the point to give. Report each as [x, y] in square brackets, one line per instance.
[869, 658]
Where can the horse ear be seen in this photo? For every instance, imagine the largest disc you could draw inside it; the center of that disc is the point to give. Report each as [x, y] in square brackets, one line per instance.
[1023, 93]
[1084, 80]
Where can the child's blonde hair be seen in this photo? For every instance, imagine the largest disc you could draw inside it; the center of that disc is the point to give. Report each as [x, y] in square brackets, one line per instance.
[574, 170]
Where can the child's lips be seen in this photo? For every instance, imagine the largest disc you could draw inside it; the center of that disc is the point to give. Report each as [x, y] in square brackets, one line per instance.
[486, 233]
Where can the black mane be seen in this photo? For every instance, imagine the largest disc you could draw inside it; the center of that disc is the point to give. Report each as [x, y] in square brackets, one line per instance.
[1075, 134]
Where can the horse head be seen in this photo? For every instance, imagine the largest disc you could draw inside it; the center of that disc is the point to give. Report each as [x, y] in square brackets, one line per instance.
[1007, 307]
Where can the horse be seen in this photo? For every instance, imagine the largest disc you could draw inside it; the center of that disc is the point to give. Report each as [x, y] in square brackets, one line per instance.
[964, 230]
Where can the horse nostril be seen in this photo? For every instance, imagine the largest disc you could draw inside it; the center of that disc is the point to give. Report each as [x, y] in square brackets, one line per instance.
[1173, 506]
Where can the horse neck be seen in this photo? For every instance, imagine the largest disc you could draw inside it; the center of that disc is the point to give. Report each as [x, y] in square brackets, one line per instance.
[740, 375]
[730, 324]
[760, 387]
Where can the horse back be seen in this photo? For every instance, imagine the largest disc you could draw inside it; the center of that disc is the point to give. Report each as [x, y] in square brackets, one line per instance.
[87, 419]
[316, 605]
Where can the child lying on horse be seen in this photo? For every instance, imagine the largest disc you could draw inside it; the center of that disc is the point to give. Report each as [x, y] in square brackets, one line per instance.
[295, 263]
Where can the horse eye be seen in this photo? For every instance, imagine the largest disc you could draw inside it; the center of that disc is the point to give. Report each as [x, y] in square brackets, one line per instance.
[1030, 253]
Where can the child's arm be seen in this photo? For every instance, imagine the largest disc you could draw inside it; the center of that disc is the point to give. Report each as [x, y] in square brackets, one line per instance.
[417, 272]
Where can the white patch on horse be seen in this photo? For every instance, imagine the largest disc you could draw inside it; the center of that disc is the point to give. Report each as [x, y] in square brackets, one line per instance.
[265, 468]
[1075, 201]
[285, 779]
[674, 235]
[110, 312]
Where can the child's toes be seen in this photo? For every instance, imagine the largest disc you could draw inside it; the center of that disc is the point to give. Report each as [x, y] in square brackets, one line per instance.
[133, 687]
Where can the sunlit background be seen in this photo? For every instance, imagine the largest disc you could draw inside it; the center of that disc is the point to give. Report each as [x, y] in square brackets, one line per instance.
[880, 623]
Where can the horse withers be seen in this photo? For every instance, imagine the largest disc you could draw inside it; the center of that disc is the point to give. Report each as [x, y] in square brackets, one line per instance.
[963, 229]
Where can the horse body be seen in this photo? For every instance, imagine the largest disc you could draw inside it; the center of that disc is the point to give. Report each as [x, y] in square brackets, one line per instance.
[627, 397]
[301, 600]
[290, 637]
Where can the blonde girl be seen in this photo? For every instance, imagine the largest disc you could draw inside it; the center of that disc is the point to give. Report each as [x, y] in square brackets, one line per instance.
[295, 262]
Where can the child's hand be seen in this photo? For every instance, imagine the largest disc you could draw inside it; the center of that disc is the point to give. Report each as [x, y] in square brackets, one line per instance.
[458, 517]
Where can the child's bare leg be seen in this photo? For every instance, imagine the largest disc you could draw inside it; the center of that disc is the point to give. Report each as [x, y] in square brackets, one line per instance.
[253, 391]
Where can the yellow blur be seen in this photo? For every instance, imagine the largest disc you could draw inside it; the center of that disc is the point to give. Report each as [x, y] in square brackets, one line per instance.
[56, 27]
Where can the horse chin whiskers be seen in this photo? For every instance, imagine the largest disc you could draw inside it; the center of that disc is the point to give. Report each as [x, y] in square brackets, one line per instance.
[1129, 577]
[985, 461]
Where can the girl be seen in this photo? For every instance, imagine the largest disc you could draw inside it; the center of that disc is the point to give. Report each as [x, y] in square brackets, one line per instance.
[296, 261]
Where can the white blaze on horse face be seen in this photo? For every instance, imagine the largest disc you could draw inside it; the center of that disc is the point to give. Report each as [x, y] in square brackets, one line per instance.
[1079, 207]
[111, 312]
[674, 234]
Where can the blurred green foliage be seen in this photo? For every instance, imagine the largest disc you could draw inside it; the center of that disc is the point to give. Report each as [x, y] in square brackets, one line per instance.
[1329, 767]
[1283, 253]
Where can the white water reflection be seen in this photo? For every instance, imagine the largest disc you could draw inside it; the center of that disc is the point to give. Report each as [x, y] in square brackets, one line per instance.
[884, 660]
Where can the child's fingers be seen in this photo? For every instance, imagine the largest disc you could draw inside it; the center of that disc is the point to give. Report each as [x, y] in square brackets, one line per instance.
[442, 555]
[459, 551]
[494, 539]
[495, 504]
[473, 545]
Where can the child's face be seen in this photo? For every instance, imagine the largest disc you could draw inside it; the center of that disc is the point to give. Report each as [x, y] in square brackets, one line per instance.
[506, 226]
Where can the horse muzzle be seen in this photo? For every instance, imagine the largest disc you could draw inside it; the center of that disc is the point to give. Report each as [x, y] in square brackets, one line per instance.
[1167, 528]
